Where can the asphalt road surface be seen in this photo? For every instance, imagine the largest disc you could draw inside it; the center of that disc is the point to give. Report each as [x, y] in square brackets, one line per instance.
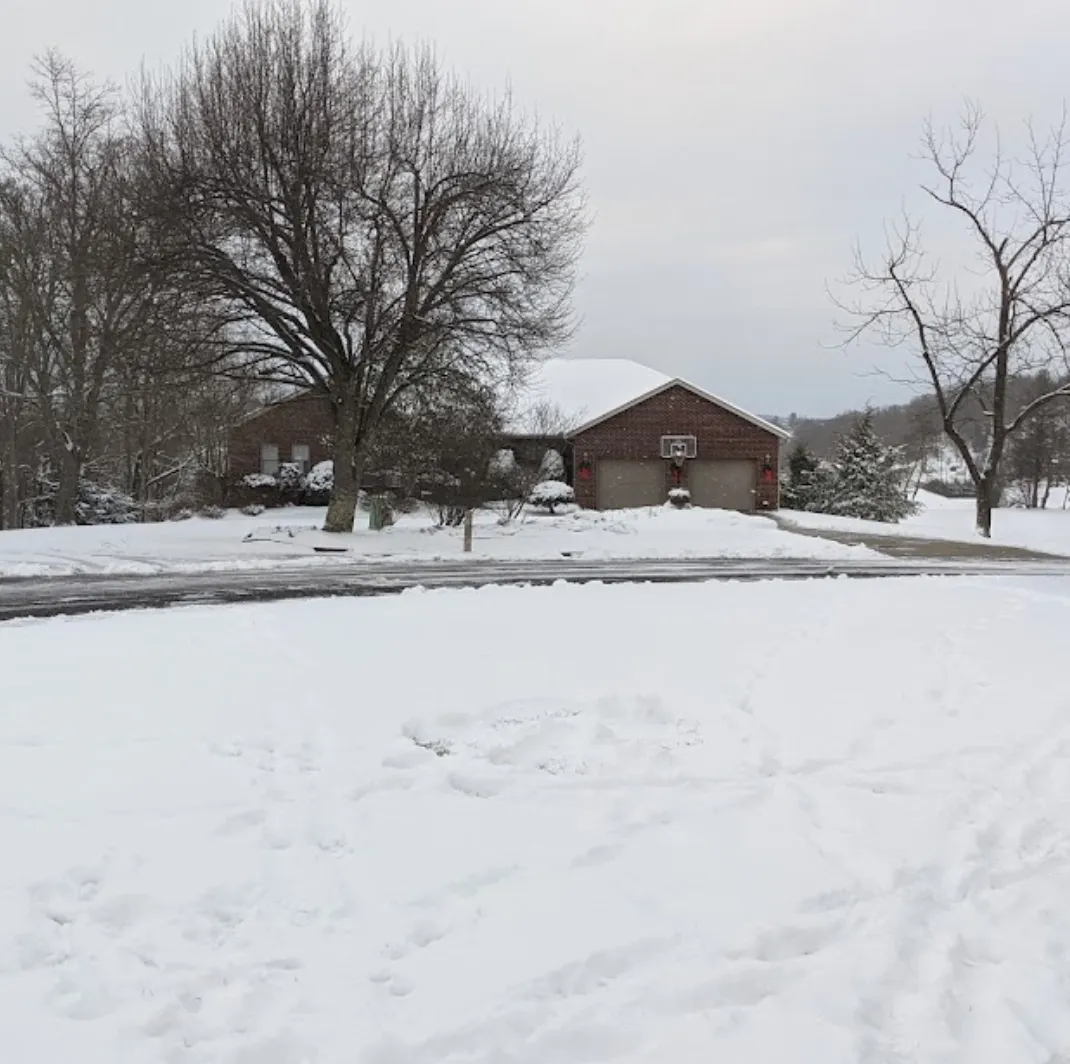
[52, 596]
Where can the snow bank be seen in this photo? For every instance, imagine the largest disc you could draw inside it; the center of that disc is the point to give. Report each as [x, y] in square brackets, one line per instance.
[1047, 530]
[755, 822]
[289, 537]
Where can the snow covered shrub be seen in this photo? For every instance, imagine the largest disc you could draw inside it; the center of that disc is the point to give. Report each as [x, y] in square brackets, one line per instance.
[214, 513]
[99, 505]
[680, 498]
[259, 480]
[552, 467]
[319, 484]
[550, 494]
[182, 515]
[502, 464]
[253, 509]
[290, 478]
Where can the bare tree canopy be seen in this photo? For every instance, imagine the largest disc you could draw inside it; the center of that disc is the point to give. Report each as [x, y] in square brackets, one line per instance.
[1001, 318]
[371, 222]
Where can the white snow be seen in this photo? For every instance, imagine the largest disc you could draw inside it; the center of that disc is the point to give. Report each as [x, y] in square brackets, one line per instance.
[774, 822]
[1047, 531]
[580, 390]
[288, 537]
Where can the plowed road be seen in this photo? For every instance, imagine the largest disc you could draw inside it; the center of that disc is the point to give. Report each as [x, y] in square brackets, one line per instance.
[50, 596]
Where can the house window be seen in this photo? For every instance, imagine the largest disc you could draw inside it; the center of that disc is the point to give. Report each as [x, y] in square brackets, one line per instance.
[269, 458]
[301, 456]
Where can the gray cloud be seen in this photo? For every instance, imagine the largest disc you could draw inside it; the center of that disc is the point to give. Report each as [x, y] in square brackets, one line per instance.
[734, 150]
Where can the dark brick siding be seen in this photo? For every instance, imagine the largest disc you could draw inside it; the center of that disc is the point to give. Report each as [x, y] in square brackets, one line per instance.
[304, 419]
[636, 433]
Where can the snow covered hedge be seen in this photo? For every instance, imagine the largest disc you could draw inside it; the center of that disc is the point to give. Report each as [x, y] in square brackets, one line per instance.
[680, 497]
[96, 504]
[288, 486]
[258, 480]
[551, 493]
[319, 484]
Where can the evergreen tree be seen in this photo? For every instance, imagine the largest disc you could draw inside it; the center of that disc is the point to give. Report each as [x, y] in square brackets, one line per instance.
[867, 482]
[801, 464]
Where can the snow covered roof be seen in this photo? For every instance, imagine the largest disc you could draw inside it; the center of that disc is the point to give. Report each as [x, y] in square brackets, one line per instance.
[572, 392]
[570, 395]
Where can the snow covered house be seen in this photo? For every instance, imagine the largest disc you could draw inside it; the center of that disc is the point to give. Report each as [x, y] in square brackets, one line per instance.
[628, 435]
[631, 434]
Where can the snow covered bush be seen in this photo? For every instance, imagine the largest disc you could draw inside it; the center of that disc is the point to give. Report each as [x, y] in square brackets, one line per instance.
[502, 464]
[182, 515]
[553, 466]
[319, 484]
[550, 494]
[259, 480]
[680, 497]
[253, 509]
[99, 505]
[291, 480]
[213, 513]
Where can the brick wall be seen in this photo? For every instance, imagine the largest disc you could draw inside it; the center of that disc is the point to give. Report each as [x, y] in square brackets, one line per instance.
[636, 433]
[303, 419]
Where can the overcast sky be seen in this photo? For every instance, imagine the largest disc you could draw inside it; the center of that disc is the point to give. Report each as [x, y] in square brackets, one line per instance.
[735, 149]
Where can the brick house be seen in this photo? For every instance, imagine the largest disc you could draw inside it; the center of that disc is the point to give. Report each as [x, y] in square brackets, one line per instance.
[628, 435]
[295, 430]
[633, 434]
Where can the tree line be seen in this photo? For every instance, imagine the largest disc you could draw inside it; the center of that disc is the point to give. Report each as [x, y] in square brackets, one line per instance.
[1037, 457]
[285, 209]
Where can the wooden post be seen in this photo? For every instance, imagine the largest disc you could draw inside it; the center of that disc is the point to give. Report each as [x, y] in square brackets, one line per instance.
[468, 531]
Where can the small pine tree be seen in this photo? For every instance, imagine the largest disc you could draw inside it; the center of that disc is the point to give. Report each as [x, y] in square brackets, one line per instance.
[867, 482]
[801, 464]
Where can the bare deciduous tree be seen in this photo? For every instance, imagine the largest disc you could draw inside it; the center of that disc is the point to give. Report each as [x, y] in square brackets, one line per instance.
[92, 295]
[1037, 456]
[975, 333]
[370, 221]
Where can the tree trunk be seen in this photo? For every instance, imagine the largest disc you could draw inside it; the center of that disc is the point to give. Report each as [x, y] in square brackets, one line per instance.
[343, 505]
[986, 492]
[67, 490]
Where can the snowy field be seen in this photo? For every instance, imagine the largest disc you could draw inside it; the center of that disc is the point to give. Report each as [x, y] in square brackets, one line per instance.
[289, 536]
[765, 823]
[1047, 531]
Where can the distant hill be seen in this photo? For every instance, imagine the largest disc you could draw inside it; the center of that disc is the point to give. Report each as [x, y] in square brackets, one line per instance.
[911, 425]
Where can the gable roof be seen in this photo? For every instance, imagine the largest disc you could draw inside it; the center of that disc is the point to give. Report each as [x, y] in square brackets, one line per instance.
[587, 391]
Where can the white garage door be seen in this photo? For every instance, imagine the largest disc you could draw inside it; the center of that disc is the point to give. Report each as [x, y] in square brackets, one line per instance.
[727, 484]
[622, 484]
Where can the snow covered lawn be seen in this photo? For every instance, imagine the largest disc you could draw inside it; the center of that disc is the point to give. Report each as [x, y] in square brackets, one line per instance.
[1047, 531]
[774, 822]
[289, 536]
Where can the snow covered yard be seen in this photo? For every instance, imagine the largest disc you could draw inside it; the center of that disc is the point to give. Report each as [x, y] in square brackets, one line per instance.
[774, 822]
[289, 536]
[1047, 531]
